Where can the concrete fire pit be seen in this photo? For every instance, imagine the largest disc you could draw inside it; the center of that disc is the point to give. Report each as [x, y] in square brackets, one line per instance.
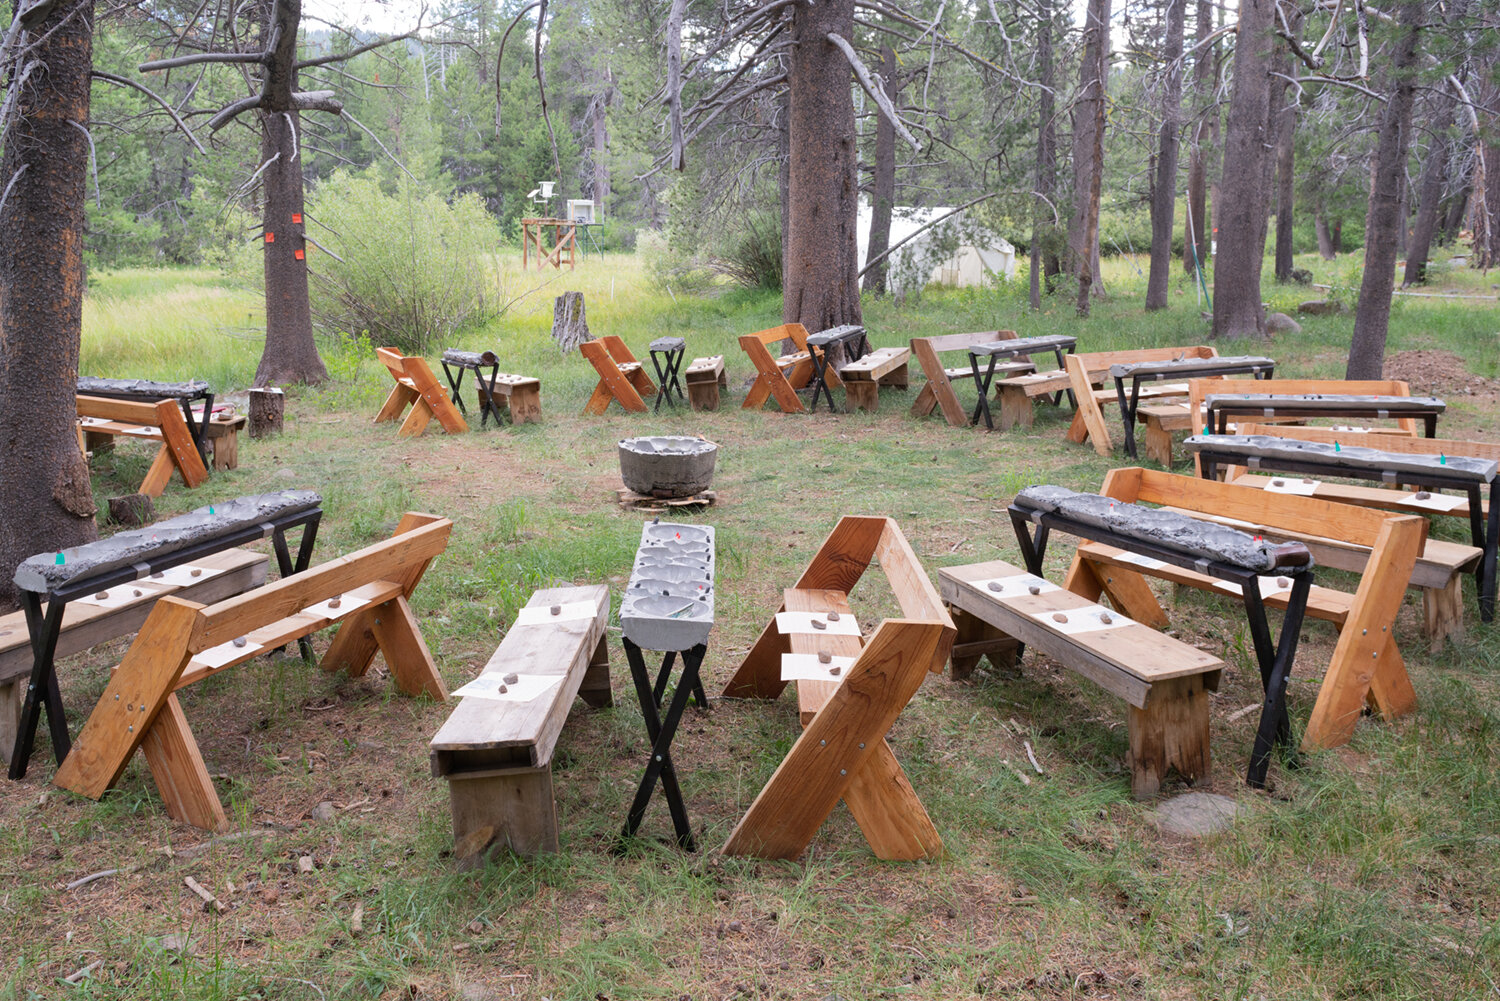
[667, 466]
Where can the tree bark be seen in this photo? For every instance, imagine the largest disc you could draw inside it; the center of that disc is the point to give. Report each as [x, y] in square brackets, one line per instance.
[883, 193]
[1164, 191]
[1286, 136]
[1242, 199]
[1195, 226]
[1325, 238]
[1372, 317]
[1088, 151]
[1456, 209]
[44, 482]
[1043, 262]
[291, 354]
[821, 269]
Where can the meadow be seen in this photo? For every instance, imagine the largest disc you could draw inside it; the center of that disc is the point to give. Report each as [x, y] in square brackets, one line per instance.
[1369, 872]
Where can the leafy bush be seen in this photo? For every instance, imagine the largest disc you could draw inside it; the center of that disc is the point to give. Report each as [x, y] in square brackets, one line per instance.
[752, 256]
[413, 268]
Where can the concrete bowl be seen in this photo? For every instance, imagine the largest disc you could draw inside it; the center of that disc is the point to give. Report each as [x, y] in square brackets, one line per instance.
[667, 465]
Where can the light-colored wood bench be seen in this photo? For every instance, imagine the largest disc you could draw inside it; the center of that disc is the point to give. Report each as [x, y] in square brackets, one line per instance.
[1366, 663]
[863, 377]
[1164, 681]
[938, 391]
[779, 376]
[222, 434]
[1088, 372]
[418, 388]
[497, 755]
[520, 394]
[621, 377]
[182, 642]
[704, 378]
[101, 419]
[86, 625]
[842, 752]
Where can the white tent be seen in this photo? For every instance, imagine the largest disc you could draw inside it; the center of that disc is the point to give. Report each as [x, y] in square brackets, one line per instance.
[956, 251]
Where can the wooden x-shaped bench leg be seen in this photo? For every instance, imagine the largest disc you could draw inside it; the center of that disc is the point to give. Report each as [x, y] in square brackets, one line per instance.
[842, 755]
[770, 381]
[613, 384]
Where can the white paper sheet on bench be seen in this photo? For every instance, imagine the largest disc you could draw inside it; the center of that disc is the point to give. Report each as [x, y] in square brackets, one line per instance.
[1435, 502]
[1268, 586]
[183, 576]
[807, 667]
[347, 604]
[526, 687]
[89, 422]
[1145, 562]
[1087, 619]
[1298, 485]
[535, 615]
[1015, 585]
[802, 622]
[146, 432]
[121, 595]
[224, 653]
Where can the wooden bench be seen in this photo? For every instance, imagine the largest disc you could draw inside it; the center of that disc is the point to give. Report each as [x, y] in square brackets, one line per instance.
[496, 752]
[151, 391]
[1366, 664]
[841, 752]
[863, 377]
[222, 432]
[779, 376]
[102, 419]
[418, 388]
[704, 378]
[1164, 681]
[1137, 373]
[181, 643]
[519, 394]
[938, 390]
[1087, 373]
[621, 377]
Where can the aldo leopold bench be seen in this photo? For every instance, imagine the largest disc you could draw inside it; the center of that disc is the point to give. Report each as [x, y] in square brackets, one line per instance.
[1318, 458]
[1209, 549]
[849, 693]
[418, 388]
[147, 391]
[365, 593]
[520, 394]
[778, 376]
[496, 748]
[938, 392]
[1186, 368]
[82, 596]
[102, 418]
[1366, 663]
[621, 377]
[1088, 372]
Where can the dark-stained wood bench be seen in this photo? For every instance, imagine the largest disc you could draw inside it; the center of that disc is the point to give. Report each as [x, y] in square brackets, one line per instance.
[496, 752]
[181, 643]
[1164, 681]
[704, 378]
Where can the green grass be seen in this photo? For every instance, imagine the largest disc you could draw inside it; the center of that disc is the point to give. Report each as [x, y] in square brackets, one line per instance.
[1368, 873]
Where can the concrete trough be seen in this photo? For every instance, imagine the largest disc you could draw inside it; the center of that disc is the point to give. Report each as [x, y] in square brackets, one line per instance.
[669, 602]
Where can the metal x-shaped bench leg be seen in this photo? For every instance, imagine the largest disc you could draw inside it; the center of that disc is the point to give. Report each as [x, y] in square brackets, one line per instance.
[661, 731]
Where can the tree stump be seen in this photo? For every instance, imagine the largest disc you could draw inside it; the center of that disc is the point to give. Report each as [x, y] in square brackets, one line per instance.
[266, 408]
[131, 510]
[570, 327]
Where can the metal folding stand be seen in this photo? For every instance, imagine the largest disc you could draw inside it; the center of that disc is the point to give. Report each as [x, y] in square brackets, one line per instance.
[660, 731]
[1129, 405]
[1274, 658]
[1223, 408]
[670, 350]
[817, 352]
[1013, 349]
[487, 405]
[45, 627]
[1485, 531]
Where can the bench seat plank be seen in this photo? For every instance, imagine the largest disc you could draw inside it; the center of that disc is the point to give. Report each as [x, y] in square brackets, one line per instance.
[814, 695]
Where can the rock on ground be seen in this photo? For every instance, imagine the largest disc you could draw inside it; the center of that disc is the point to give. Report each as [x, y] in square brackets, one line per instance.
[1196, 814]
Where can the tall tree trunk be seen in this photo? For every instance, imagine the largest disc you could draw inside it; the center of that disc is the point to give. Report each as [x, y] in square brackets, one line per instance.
[1286, 144]
[44, 483]
[1164, 192]
[1325, 238]
[1371, 319]
[1242, 199]
[1088, 151]
[291, 354]
[1456, 209]
[601, 139]
[1195, 225]
[1430, 190]
[883, 195]
[1043, 260]
[821, 284]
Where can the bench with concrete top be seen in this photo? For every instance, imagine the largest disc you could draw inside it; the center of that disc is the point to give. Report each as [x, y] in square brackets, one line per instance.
[150, 391]
[1088, 372]
[1469, 474]
[520, 394]
[85, 595]
[1004, 355]
[1383, 548]
[1222, 406]
[1136, 373]
[1164, 537]
[938, 391]
[496, 748]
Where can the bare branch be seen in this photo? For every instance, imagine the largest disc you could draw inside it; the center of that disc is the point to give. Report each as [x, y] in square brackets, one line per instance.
[541, 87]
[308, 237]
[876, 92]
[13, 179]
[500, 56]
[93, 161]
[344, 113]
[203, 57]
[317, 100]
[228, 114]
[920, 230]
[121, 81]
[339, 57]
[1336, 81]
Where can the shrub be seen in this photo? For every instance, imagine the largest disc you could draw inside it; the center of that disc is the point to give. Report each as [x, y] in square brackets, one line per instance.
[413, 269]
[752, 256]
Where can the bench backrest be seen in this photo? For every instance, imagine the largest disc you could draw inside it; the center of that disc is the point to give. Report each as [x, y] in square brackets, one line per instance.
[959, 342]
[794, 332]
